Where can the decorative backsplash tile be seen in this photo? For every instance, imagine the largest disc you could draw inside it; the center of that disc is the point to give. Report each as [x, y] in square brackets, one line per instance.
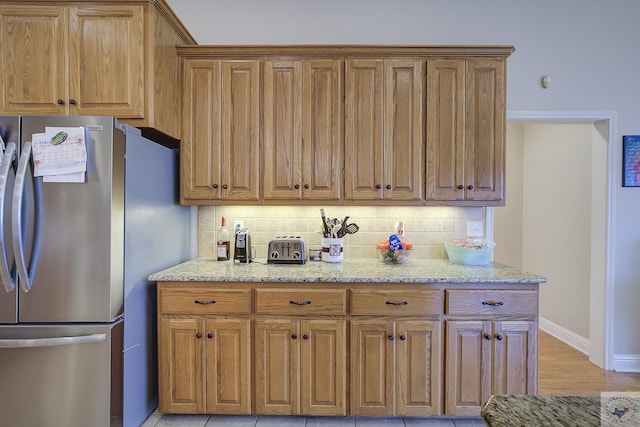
[426, 227]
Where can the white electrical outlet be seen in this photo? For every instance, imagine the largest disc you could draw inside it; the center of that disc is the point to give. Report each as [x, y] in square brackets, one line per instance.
[238, 224]
[475, 229]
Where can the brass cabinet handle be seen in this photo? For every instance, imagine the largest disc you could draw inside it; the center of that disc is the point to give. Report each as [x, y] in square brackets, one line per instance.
[492, 303]
[300, 302]
[211, 301]
[397, 304]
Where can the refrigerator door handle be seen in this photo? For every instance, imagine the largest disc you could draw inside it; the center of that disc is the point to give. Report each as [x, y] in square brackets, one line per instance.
[9, 278]
[53, 342]
[26, 273]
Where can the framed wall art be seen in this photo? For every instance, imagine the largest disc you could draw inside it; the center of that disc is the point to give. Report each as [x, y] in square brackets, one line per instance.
[631, 161]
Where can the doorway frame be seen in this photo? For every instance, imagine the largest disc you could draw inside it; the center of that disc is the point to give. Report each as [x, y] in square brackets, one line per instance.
[600, 339]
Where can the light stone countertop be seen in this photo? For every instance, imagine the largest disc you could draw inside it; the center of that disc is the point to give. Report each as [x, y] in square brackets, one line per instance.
[348, 271]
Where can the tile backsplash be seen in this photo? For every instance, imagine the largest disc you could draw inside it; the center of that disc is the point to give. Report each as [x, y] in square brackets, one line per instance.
[426, 227]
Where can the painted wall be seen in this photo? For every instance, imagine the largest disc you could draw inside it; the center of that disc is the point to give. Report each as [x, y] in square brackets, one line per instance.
[549, 213]
[588, 47]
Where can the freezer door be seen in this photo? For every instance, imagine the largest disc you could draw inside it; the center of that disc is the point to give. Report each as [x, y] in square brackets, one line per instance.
[61, 376]
[79, 273]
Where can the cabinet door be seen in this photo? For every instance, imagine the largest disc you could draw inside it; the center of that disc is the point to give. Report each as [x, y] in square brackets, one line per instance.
[445, 129]
[403, 129]
[201, 138]
[282, 130]
[180, 350]
[372, 367]
[323, 367]
[240, 130]
[515, 348]
[322, 129]
[33, 60]
[468, 371]
[419, 367]
[277, 367]
[485, 129]
[106, 61]
[228, 366]
[364, 129]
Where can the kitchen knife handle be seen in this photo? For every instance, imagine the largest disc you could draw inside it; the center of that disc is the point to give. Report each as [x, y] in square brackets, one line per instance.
[300, 302]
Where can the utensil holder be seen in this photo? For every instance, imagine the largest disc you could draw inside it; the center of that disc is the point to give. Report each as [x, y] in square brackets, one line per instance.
[332, 249]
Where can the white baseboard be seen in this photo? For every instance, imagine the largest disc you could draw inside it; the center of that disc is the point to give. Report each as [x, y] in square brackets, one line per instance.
[571, 338]
[621, 362]
[626, 363]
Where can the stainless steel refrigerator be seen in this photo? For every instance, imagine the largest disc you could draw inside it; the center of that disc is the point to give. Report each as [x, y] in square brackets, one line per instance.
[77, 313]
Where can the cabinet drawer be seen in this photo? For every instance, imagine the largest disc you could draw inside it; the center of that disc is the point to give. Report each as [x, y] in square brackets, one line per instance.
[403, 303]
[461, 302]
[300, 301]
[205, 301]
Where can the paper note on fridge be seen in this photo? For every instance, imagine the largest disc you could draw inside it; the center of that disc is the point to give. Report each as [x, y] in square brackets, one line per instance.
[60, 154]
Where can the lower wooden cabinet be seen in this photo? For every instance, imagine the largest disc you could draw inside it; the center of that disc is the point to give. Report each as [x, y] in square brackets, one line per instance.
[207, 366]
[395, 367]
[300, 367]
[342, 349]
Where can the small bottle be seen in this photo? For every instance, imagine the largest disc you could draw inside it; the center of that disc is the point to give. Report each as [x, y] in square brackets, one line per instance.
[223, 242]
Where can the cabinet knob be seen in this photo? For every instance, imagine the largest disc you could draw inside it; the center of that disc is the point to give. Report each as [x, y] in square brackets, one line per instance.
[306, 186]
[470, 187]
[398, 304]
[487, 337]
[391, 337]
[60, 101]
[198, 335]
[211, 301]
[225, 186]
[209, 335]
[296, 186]
[72, 101]
[388, 186]
[294, 302]
[460, 187]
[294, 336]
[305, 337]
[215, 185]
[378, 186]
[499, 337]
[403, 337]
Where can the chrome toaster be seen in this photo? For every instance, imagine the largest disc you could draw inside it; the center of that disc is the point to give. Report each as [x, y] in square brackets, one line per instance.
[287, 250]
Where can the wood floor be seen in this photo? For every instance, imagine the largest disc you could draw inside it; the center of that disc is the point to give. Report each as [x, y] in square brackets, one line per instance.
[562, 370]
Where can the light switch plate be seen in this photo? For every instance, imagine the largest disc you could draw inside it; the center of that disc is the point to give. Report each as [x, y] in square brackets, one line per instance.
[475, 229]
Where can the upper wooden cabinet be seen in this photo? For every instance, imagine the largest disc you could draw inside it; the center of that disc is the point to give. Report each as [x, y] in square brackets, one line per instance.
[384, 127]
[302, 110]
[466, 130]
[409, 125]
[88, 58]
[221, 114]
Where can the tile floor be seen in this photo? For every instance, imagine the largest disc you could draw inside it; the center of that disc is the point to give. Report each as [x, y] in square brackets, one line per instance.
[172, 420]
